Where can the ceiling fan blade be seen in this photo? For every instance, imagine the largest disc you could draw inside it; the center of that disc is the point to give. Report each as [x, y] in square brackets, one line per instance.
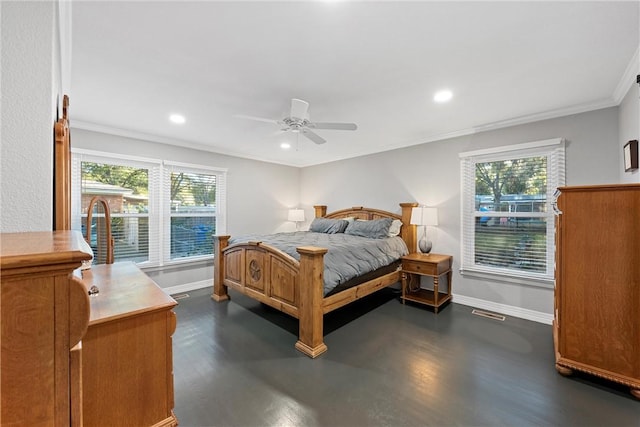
[313, 136]
[299, 109]
[260, 119]
[336, 126]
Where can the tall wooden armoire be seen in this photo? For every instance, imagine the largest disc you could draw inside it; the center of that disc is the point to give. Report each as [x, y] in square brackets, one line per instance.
[597, 294]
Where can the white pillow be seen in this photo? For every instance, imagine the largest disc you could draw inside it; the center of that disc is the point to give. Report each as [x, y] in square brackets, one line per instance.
[86, 248]
[394, 230]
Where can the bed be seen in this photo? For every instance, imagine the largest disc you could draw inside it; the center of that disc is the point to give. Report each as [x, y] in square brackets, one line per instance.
[295, 283]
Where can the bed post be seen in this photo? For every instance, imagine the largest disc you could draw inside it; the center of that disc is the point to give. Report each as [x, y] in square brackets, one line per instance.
[409, 233]
[321, 210]
[219, 289]
[310, 312]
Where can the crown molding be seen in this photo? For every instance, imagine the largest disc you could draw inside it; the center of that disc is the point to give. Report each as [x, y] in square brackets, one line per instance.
[550, 114]
[628, 78]
[530, 118]
[126, 133]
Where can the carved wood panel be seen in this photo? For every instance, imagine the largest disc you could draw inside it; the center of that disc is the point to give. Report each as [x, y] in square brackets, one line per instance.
[234, 260]
[283, 282]
[257, 265]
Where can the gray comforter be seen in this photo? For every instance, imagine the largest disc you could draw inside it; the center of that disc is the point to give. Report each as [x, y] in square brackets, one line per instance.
[347, 257]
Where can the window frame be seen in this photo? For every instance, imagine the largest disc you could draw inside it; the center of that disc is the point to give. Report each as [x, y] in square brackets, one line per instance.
[220, 218]
[554, 151]
[159, 203]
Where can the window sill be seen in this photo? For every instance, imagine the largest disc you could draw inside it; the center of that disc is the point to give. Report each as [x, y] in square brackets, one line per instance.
[181, 264]
[539, 282]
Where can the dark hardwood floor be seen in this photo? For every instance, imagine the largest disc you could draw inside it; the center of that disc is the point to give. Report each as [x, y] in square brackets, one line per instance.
[388, 364]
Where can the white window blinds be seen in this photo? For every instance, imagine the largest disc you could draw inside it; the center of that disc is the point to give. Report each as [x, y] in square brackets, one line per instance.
[194, 205]
[127, 185]
[508, 224]
[161, 212]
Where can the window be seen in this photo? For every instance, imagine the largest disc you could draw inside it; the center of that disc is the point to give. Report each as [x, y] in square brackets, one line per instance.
[161, 212]
[190, 199]
[508, 222]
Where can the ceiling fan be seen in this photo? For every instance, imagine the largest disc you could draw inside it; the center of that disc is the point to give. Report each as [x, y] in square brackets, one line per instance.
[298, 121]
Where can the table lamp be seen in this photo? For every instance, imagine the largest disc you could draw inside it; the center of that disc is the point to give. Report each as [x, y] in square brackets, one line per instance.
[424, 216]
[297, 216]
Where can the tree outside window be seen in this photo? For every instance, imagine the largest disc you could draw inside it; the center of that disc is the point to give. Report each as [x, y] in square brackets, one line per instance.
[503, 188]
[193, 210]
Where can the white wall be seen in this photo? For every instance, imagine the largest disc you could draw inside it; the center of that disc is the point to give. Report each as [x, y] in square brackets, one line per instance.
[629, 126]
[30, 87]
[430, 174]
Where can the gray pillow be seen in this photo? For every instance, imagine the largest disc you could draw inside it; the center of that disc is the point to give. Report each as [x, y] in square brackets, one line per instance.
[327, 225]
[374, 229]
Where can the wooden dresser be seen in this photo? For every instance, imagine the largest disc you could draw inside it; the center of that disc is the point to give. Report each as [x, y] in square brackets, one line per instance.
[597, 294]
[70, 359]
[127, 363]
[44, 315]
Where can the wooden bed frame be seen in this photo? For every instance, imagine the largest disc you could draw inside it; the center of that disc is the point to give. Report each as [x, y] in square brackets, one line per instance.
[272, 277]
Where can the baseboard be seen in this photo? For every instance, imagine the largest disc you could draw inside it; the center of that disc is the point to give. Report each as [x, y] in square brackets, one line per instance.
[172, 290]
[510, 310]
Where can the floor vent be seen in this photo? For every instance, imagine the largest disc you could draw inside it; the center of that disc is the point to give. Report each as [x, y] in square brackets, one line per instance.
[180, 296]
[490, 315]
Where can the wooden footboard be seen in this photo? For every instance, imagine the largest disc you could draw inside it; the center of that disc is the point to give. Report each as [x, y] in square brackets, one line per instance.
[272, 277]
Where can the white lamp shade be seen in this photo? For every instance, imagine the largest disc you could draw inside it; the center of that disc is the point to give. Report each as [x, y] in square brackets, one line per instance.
[424, 216]
[296, 215]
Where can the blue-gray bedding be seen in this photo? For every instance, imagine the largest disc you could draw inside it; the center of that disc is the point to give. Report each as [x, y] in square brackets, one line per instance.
[347, 257]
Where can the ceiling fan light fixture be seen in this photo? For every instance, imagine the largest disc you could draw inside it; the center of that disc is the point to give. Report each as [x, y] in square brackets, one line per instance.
[298, 122]
[285, 145]
[442, 96]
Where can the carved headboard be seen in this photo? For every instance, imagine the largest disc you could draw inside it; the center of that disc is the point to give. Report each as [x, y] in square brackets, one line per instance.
[407, 232]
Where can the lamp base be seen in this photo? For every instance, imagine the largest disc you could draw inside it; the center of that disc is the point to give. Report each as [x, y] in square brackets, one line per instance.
[425, 246]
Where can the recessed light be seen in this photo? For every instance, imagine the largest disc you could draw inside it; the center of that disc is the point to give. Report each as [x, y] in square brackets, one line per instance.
[285, 145]
[177, 118]
[442, 96]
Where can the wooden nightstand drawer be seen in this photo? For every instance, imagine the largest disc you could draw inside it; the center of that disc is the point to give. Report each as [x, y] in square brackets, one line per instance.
[419, 267]
[432, 265]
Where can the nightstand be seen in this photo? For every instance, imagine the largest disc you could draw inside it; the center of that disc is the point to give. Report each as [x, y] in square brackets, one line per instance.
[432, 265]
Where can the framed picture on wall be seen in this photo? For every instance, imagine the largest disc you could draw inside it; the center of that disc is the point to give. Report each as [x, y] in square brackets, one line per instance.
[631, 155]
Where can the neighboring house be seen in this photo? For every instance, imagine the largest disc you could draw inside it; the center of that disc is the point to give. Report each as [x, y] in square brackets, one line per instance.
[120, 199]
